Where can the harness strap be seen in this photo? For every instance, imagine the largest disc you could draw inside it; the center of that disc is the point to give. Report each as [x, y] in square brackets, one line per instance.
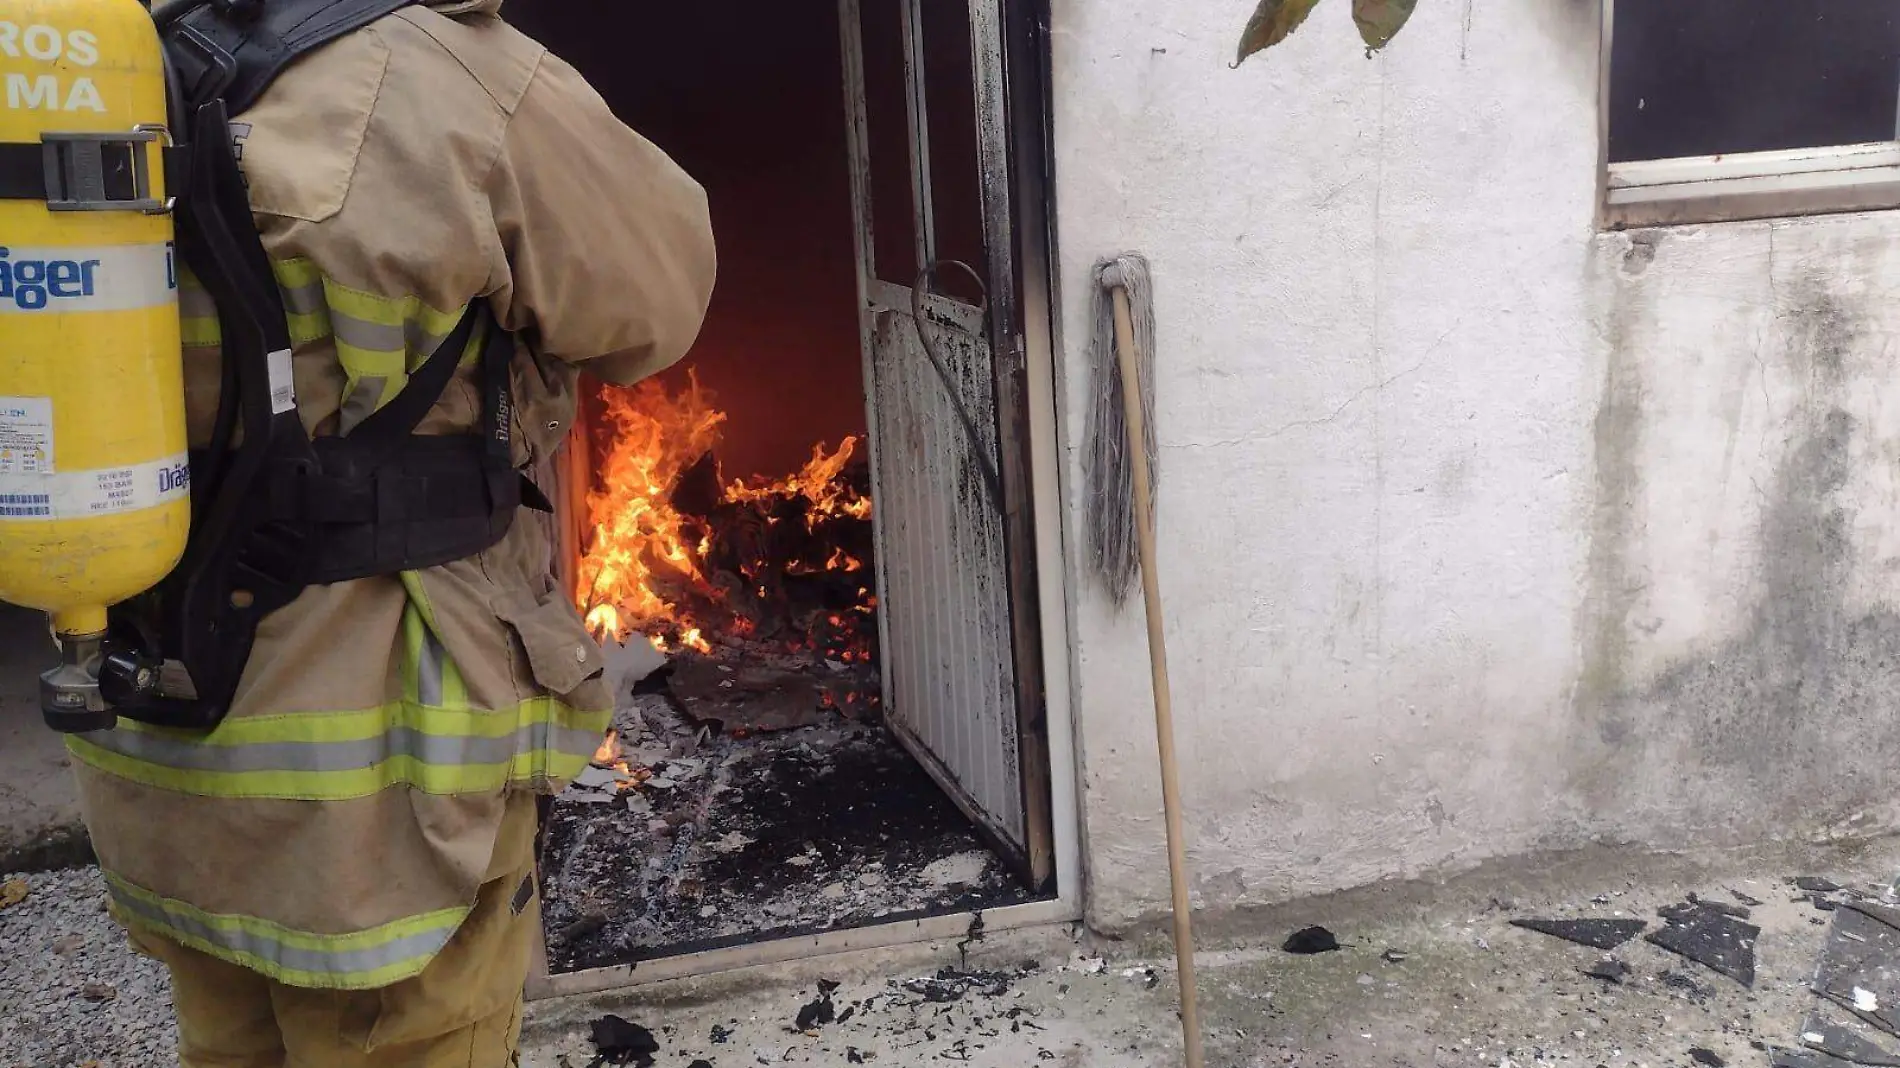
[235, 51]
[281, 512]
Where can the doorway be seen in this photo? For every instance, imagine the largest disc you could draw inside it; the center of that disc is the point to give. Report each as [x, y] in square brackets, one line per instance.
[826, 524]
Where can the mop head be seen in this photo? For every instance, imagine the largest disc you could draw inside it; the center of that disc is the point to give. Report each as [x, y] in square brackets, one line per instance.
[1107, 459]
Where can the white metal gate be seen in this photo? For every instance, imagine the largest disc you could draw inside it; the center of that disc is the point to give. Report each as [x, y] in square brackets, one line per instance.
[930, 183]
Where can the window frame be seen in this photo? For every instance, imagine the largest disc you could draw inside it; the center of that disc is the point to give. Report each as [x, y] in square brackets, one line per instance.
[1737, 186]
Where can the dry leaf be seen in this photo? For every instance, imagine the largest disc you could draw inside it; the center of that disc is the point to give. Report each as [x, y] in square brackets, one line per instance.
[1381, 20]
[1272, 22]
[12, 892]
[98, 991]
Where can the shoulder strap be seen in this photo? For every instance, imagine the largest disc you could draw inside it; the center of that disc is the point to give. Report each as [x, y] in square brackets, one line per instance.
[234, 50]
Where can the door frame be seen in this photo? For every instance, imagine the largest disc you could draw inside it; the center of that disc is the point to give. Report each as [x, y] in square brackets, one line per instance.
[1024, 38]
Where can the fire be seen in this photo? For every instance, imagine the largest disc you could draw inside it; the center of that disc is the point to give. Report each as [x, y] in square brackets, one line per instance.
[648, 568]
[609, 750]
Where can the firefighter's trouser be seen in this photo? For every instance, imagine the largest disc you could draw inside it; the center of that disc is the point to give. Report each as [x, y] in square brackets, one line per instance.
[463, 1011]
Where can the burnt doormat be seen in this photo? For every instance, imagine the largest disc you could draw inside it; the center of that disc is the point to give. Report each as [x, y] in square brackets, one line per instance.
[1712, 936]
[1860, 969]
[1857, 1016]
[691, 840]
[1597, 934]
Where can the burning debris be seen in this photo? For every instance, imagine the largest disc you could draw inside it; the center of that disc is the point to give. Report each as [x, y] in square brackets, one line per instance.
[693, 560]
[749, 787]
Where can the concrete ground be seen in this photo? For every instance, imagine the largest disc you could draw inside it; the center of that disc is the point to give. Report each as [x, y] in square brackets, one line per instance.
[1431, 974]
[39, 806]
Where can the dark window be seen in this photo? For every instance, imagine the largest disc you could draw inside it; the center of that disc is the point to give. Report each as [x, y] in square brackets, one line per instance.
[1711, 77]
[888, 141]
[956, 191]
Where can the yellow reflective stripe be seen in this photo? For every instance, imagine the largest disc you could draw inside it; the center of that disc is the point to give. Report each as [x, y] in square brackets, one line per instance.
[358, 960]
[333, 756]
[200, 333]
[296, 273]
[316, 728]
[438, 680]
[308, 327]
[414, 633]
[379, 340]
[382, 324]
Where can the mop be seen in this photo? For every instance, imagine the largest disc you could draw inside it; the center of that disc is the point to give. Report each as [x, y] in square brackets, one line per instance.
[1119, 464]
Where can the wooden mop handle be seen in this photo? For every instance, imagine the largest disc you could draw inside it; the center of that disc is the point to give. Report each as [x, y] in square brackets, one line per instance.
[1158, 662]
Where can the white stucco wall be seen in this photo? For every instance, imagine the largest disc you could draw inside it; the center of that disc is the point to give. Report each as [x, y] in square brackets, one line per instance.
[1482, 533]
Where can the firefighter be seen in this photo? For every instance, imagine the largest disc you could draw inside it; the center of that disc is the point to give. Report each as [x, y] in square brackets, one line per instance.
[341, 871]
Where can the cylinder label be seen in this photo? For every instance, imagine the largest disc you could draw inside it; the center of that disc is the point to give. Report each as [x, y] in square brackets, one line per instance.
[102, 279]
[84, 494]
[26, 435]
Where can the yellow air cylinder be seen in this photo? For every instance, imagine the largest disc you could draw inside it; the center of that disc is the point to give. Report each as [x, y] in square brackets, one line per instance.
[94, 483]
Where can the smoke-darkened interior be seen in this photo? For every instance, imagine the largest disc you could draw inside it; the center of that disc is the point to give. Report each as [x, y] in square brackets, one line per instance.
[749, 100]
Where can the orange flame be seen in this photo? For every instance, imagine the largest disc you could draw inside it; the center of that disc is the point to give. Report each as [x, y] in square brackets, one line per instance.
[609, 750]
[643, 553]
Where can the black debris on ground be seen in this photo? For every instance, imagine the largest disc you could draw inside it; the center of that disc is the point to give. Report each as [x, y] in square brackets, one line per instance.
[1860, 966]
[701, 1063]
[1805, 1058]
[1839, 1041]
[820, 1011]
[1609, 969]
[1751, 902]
[1711, 938]
[1707, 1057]
[1679, 981]
[952, 984]
[720, 1035]
[1811, 884]
[1310, 941]
[1738, 911]
[1394, 956]
[620, 1041]
[1597, 934]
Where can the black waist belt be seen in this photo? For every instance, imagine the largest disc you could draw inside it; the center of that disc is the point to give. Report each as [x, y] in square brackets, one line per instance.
[434, 500]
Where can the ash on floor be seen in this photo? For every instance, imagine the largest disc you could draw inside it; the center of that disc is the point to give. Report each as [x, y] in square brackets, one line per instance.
[699, 840]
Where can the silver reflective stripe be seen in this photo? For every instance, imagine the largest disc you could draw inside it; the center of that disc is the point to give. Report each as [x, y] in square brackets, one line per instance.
[433, 749]
[429, 670]
[415, 947]
[362, 334]
[303, 300]
[420, 341]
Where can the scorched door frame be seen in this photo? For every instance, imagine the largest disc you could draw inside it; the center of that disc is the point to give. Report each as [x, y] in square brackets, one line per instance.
[1003, 330]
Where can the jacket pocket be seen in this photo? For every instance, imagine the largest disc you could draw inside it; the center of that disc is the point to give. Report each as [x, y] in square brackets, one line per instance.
[562, 656]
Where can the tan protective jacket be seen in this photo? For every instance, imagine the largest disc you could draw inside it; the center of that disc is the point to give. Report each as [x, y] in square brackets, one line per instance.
[334, 830]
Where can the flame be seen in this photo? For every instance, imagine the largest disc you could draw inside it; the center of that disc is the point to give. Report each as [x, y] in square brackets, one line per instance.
[646, 567]
[609, 750]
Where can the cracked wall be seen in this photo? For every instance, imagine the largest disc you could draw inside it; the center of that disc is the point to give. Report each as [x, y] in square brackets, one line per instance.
[1482, 533]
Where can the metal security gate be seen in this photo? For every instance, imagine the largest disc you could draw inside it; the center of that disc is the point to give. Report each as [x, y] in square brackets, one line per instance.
[930, 182]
